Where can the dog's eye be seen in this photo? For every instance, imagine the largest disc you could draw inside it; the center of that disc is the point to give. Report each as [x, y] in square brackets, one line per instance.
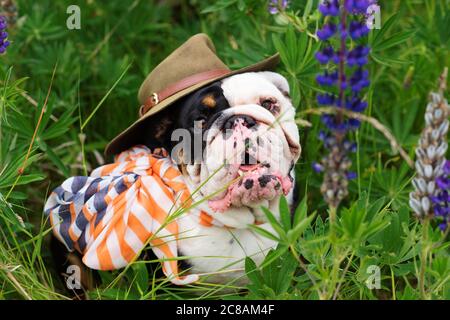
[269, 104]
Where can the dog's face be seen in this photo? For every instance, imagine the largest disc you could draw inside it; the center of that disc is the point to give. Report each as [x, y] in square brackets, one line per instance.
[241, 146]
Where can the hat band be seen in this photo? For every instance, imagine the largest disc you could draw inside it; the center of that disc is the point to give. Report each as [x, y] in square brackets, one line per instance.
[157, 97]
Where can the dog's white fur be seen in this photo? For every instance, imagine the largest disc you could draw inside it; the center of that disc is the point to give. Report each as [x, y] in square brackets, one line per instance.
[221, 251]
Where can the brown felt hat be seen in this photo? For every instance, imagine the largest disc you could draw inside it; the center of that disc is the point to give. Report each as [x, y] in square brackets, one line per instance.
[191, 66]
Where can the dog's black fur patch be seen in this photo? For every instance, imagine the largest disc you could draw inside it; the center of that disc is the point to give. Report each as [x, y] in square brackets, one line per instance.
[62, 259]
[183, 114]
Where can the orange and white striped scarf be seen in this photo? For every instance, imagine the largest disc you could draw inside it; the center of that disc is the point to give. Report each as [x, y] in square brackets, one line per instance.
[111, 215]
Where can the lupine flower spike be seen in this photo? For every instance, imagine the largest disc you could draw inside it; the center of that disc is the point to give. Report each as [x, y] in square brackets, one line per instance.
[430, 197]
[274, 5]
[4, 43]
[343, 88]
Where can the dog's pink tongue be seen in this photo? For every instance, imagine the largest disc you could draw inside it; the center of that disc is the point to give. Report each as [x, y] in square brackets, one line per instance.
[249, 167]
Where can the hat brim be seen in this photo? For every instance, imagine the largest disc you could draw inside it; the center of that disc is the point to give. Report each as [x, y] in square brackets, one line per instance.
[129, 136]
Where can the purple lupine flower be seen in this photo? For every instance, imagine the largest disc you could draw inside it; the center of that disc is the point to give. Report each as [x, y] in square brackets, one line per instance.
[358, 29]
[273, 5]
[317, 167]
[327, 55]
[327, 79]
[351, 175]
[358, 6]
[441, 202]
[326, 99]
[339, 126]
[329, 8]
[4, 43]
[327, 31]
[443, 183]
[355, 104]
[358, 56]
[359, 80]
[343, 86]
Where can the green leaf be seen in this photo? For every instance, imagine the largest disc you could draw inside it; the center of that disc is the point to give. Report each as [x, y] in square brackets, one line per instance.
[301, 211]
[388, 61]
[281, 48]
[285, 213]
[394, 40]
[54, 158]
[280, 250]
[351, 221]
[264, 233]
[278, 274]
[219, 5]
[298, 229]
[10, 170]
[253, 273]
[141, 277]
[308, 8]
[379, 34]
[274, 223]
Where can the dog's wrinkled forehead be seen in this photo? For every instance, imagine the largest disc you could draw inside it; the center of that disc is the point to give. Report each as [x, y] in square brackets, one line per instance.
[255, 88]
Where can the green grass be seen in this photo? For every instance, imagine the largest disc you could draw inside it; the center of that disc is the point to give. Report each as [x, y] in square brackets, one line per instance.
[98, 71]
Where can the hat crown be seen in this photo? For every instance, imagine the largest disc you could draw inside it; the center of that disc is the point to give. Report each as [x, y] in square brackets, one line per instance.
[190, 67]
[195, 56]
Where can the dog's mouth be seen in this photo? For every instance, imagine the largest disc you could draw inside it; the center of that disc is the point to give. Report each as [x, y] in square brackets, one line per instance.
[249, 158]
[251, 187]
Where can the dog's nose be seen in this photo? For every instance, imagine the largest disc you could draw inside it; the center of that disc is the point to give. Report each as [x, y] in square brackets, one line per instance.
[246, 121]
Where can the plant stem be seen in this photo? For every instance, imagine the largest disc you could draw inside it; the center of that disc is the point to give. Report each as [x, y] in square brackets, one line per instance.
[423, 257]
[393, 284]
[336, 292]
[334, 251]
[17, 285]
[333, 212]
[104, 97]
[303, 266]
[33, 138]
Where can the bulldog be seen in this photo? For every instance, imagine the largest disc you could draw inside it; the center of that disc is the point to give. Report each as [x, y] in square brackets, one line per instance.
[236, 143]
